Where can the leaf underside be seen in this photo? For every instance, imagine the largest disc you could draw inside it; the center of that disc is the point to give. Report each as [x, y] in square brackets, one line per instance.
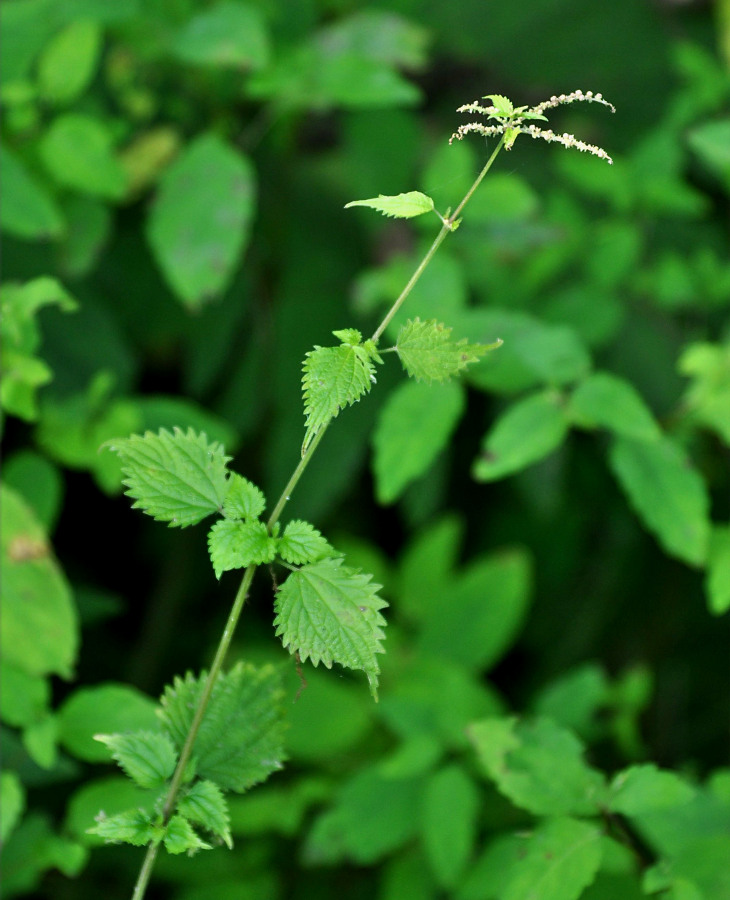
[428, 353]
[399, 206]
[334, 377]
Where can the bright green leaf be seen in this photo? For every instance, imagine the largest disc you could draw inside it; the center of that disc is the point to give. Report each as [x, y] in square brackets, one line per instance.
[12, 799]
[204, 804]
[177, 478]
[134, 826]
[606, 401]
[113, 794]
[400, 206]
[502, 104]
[40, 739]
[645, 788]
[449, 823]
[667, 494]
[39, 627]
[24, 698]
[243, 499]
[240, 741]
[529, 430]
[229, 33]
[180, 837]
[171, 412]
[302, 543]
[38, 481]
[148, 757]
[78, 151]
[481, 611]
[68, 62]
[717, 581]
[27, 210]
[414, 426]
[557, 862]
[330, 613]
[334, 377]
[236, 545]
[428, 353]
[103, 708]
[538, 765]
[200, 220]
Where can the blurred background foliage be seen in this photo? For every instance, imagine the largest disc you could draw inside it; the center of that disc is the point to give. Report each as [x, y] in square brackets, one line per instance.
[174, 176]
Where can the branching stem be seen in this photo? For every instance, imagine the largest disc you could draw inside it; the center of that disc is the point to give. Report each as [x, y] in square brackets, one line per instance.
[242, 594]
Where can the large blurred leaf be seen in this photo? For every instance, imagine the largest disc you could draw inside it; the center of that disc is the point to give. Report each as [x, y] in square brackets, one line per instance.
[449, 823]
[229, 33]
[39, 624]
[666, 492]
[711, 142]
[529, 430]
[200, 220]
[27, 210]
[414, 427]
[78, 151]
[604, 400]
[68, 62]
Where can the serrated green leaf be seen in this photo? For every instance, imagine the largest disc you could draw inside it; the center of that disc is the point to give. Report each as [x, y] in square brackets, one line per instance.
[148, 757]
[399, 206]
[717, 579]
[134, 826]
[302, 543]
[667, 493]
[556, 862]
[449, 823]
[235, 545]
[204, 805]
[176, 478]
[428, 353]
[350, 336]
[413, 427]
[539, 765]
[329, 613]
[529, 430]
[240, 741]
[645, 788]
[180, 837]
[243, 499]
[334, 377]
[604, 400]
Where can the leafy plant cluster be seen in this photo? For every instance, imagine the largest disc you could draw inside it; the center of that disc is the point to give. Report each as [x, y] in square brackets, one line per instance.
[551, 527]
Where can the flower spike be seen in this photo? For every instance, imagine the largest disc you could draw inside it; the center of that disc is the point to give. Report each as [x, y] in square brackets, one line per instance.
[511, 121]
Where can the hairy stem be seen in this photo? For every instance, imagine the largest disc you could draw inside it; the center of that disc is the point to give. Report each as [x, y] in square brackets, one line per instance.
[241, 596]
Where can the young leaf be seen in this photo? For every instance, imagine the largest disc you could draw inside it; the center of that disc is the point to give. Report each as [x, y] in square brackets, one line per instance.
[134, 826]
[240, 741]
[427, 351]
[205, 805]
[302, 543]
[334, 377]
[413, 428]
[502, 104]
[350, 336]
[667, 493]
[148, 757]
[243, 500]
[538, 765]
[449, 823]
[176, 478]
[330, 613]
[400, 206]
[528, 431]
[180, 837]
[235, 545]
[557, 862]
[645, 788]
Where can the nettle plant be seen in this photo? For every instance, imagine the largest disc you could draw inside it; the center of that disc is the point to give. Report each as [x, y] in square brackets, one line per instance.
[223, 731]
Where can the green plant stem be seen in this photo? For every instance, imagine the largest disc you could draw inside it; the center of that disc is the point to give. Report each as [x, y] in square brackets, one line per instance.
[240, 599]
[446, 228]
